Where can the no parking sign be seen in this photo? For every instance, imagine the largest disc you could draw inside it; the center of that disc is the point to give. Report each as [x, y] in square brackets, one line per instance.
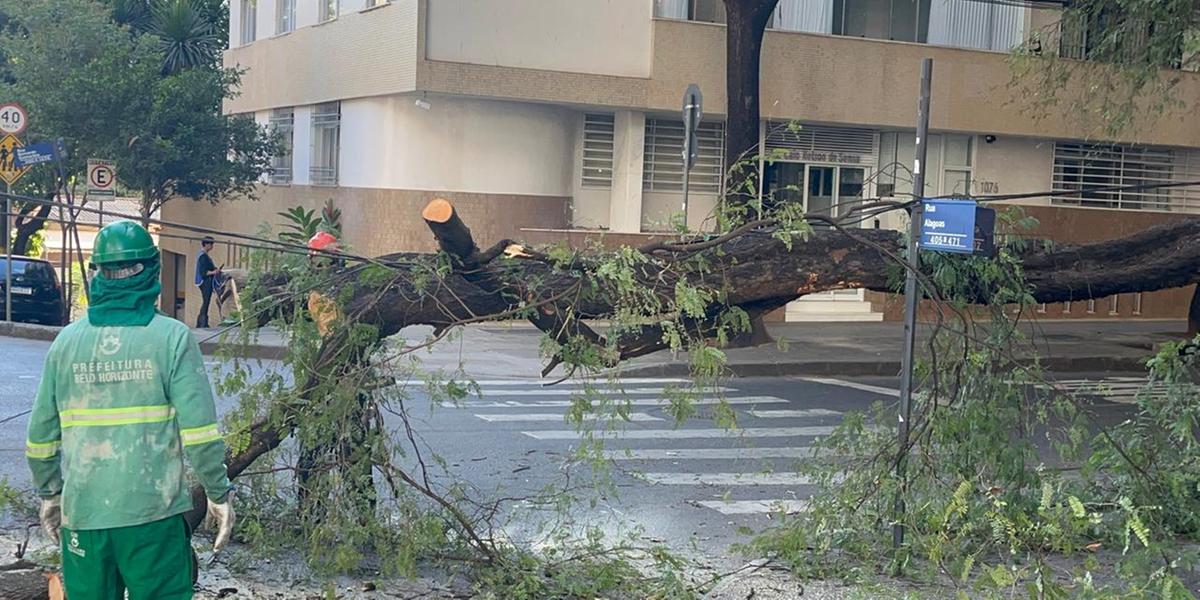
[102, 177]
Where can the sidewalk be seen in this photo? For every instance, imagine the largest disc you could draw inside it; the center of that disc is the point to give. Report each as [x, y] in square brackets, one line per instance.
[500, 350]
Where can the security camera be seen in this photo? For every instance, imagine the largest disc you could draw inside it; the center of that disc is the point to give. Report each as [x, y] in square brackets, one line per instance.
[989, 138]
[423, 104]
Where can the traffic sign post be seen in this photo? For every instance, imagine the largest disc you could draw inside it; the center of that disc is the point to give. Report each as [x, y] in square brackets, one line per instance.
[101, 177]
[35, 154]
[693, 103]
[948, 226]
[13, 118]
[10, 171]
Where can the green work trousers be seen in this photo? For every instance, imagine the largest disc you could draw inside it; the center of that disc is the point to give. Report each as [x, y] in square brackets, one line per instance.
[153, 561]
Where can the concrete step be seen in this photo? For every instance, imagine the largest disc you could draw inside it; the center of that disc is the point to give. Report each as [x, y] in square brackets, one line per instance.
[830, 306]
[833, 317]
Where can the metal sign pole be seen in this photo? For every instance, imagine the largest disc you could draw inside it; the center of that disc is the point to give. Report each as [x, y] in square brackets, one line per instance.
[8, 253]
[911, 297]
[686, 175]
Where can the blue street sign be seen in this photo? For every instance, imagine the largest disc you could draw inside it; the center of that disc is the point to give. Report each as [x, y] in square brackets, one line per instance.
[948, 226]
[34, 154]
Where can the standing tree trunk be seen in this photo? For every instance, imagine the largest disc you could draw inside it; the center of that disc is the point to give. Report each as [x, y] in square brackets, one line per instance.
[30, 221]
[1194, 313]
[746, 22]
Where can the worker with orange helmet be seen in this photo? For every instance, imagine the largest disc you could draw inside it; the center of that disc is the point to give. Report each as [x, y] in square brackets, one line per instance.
[322, 252]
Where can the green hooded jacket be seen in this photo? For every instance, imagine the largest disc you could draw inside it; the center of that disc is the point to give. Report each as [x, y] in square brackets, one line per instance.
[117, 408]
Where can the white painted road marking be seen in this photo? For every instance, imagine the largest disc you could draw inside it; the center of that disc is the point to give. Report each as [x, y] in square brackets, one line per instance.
[628, 401]
[564, 392]
[787, 414]
[637, 416]
[726, 478]
[750, 507]
[539, 383]
[678, 434]
[710, 453]
[874, 389]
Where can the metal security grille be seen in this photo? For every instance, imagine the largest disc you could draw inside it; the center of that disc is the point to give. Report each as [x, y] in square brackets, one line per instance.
[326, 129]
[663, 169]
[282, 122]
[1086, 167]
[597, 151]
[831, 141]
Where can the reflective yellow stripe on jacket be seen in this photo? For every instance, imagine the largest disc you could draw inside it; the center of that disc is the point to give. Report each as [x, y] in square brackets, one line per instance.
[130, 415]
[41, 450]
[200, 435]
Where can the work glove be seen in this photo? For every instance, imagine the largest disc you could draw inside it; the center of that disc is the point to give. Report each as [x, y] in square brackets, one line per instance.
[221, 515]
[50, 515]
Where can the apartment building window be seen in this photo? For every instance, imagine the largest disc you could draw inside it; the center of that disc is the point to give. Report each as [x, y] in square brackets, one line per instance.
[249, 15]
[282, 122]
[1088, 169]
[708, 11]
[597, 151]
[1109, 35]
[663, 167]
[327, 10]
[813, 16]
[285, 16]
[326, 137]
[948, 164]
[978, 24]
[902, 20]
[374, 3]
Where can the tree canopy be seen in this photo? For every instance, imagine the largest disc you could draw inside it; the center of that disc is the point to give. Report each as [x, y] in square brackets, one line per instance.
[113, 92]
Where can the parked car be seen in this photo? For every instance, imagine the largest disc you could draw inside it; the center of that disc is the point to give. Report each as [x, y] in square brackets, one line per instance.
[36, 292]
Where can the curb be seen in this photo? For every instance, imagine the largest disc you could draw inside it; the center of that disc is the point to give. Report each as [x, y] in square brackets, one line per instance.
[47, 333]
[1073, 364]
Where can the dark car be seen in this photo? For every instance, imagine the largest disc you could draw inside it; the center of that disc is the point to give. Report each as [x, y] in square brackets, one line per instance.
[36, 293]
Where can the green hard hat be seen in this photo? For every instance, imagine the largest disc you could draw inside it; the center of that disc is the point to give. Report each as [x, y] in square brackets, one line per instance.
[123, 241]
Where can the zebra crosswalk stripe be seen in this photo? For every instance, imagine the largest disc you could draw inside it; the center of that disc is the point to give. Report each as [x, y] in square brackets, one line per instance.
[788, 414]
[748, 507]
[566, 392]
[678, 434]
[520, 417]
[737, 400]
[711, 453]
[726, 478]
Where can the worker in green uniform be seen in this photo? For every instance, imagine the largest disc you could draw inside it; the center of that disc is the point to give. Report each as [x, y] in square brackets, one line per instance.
[123, 396]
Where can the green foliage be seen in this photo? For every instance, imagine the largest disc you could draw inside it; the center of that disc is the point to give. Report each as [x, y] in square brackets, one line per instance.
[1131, 48]
[186, 37]
[167, 134]
[987, 510]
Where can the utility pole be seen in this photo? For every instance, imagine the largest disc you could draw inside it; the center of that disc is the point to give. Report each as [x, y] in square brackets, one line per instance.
[911, 297]
[8, 223]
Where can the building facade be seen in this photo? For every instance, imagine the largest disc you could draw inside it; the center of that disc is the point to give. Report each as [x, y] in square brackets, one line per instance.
[538, 117]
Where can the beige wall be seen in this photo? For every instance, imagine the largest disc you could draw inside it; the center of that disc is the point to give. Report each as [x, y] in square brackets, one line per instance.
[366, 53]
[873, 82]
[459, 144]
[658, 208]
[606, 37]
[1015, 165]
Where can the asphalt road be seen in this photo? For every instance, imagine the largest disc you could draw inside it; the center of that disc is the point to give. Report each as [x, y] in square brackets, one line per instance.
[677, 483]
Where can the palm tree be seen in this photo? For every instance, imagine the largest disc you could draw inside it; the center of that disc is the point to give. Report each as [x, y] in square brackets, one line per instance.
[185, 29]
[185, 36]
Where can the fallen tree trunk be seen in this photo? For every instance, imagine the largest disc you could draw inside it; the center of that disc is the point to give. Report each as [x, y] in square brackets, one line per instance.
[749, 268]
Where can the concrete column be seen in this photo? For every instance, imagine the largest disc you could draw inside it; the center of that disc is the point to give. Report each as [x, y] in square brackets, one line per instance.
[629, 146]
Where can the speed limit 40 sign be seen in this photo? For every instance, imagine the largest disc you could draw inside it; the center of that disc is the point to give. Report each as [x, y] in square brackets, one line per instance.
[13, 118]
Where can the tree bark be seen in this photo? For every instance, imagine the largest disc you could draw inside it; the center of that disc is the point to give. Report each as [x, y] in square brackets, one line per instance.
[31, 220]
[1194, 313]
[23, 580]
[746, 22]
